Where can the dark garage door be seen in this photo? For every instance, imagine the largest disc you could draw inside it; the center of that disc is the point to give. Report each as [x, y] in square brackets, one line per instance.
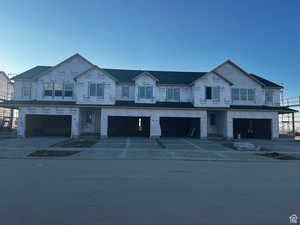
[252, 128]
[180, 127]
[125, 126]
[48, 125]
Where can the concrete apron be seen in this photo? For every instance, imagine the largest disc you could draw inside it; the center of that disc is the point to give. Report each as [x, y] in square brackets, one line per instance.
[141, 154]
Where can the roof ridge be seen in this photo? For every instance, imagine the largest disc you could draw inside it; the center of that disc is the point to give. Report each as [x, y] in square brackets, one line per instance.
[144, 70]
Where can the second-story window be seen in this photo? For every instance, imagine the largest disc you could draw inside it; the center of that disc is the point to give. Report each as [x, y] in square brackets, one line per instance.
[48, 89]
[26, 91]
[68, 90]
[212, 93]
[269, 96]
[243, 94]
[96, 90]
[125, 92]
[58, 89]
[145, 92]
[173, 94]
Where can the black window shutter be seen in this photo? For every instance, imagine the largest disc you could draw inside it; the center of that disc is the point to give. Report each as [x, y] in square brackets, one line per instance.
[208, 92]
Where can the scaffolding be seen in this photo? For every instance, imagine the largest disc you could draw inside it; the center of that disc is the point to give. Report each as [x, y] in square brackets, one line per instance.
[289, 124]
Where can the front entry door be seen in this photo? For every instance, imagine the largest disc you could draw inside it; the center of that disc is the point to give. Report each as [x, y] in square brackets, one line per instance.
[90, 122]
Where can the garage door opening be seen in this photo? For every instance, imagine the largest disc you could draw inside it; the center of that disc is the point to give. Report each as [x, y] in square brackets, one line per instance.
[126, 126]
[252, 128]
[48, 125]
[180, 127]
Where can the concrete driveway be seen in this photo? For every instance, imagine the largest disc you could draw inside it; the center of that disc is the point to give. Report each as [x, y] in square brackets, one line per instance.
[145, 148]
[143, 192]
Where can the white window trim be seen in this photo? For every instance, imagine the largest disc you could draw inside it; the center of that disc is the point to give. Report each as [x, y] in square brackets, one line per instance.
[145, 98]
[272, 96]
[173, 99]
[122, 93]
[23, 92]
[240, 95]
[96, 96]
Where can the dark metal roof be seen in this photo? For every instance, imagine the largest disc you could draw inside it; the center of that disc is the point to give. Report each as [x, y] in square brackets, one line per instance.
[157, 104]
[163, 77]
[262, 107]
[31, 73]
[183, 105]
[267, 83]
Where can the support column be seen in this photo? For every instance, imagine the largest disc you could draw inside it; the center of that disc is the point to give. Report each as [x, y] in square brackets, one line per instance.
[75, 129]
[293, 125]
[275, 126]
[203, 125]
[229, 126]
[155, 131]
[21, 123]
[103, 124]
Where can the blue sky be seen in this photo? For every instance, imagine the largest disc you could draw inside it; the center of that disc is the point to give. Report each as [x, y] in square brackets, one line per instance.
[262, 37]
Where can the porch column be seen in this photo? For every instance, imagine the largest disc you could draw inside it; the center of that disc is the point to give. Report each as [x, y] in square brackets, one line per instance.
[21, 123]
[275, 126]
[103, 124]
[155, 131]
[75, 130]
[229, 127]
[293, 125]
[203, 125]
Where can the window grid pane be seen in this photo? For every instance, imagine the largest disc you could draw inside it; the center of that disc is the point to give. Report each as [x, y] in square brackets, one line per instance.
[243, 94]
[269, 96]
[216, 93]
[169, 93]
[176, 94]
[92, 89]
[58, 89]
[149, 92]
[48, 89]
[251, 94]
[125, 92]
[235, 94]
[142, 92]
[100, 90]
[26, 91]
[68, 90]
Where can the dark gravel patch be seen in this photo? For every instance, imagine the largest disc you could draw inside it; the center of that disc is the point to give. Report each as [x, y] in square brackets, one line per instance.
[45, 153]
[160, 143]
[77, 143]
[279, 156]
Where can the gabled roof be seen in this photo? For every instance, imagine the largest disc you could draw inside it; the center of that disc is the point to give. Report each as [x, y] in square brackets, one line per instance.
[5, 75]
[240, 69]
[61, 63]
[31, 73]
[163, 77]
[217, 74]
[98, 68]
[145, 73]
[267, 83]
